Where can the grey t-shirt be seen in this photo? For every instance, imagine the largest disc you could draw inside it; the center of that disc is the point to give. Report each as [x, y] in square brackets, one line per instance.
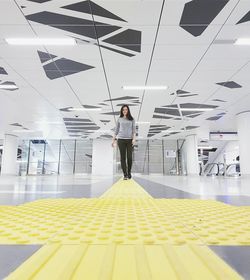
[125, 128]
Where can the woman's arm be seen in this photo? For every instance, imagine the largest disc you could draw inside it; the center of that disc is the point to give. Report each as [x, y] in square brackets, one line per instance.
[116, 133]
[133, 132]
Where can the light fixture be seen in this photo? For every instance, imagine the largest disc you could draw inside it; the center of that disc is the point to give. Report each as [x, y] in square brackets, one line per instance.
[41, 41]
[205, 147]
[144, 87]
[142, 122]
[48, 122]
[23, 130]
[84, 109]
[103, 131]
[6, 86]
[197, 109]
[242, 42]
[173, 131]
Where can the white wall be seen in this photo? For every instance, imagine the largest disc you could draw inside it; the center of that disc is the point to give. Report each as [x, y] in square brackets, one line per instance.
[191, 155]
[9, 156]
[102, 157]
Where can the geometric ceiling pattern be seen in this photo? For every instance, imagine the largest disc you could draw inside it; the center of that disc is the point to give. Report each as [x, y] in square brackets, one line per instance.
[183, 93]
[198, 14]
[78, 127]
[6, 84]
[58, 68]
[217, 117]
[155, 129]
[89, 7]
[246, 18]
[187, 46]
[229, 84]
[189, 110]
[128, 39]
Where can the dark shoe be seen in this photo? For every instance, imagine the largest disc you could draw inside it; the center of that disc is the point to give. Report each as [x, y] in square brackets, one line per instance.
[129, 176]
[125, 177]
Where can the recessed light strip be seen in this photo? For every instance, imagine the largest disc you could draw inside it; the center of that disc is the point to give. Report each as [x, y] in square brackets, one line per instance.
[242, 42]
[144, 87]
[8, 86]
[142, 122]
[41, 41]
[84, 109]
[23, 131]
[196, 109]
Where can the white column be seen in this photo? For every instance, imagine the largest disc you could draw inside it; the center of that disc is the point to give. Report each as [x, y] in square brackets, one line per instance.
[243, 126]
[9, 157]
[102, 157]
[191, 151]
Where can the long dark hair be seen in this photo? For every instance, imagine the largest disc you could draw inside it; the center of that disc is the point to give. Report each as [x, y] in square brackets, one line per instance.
[128, 115]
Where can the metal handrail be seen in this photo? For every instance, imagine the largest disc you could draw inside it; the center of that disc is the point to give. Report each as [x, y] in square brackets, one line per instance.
[236, 174]
[210, 167]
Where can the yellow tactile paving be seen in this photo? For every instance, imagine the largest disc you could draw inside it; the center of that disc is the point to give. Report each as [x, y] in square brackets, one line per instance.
[126, 189]
[99, 221]
[125, 234]
[123, 262]
[214, 222]
[125, 214]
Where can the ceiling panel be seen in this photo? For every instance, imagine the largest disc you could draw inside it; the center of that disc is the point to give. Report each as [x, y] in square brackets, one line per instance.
[191, 51]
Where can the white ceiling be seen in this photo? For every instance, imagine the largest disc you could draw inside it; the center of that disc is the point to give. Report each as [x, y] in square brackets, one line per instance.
[169, 56]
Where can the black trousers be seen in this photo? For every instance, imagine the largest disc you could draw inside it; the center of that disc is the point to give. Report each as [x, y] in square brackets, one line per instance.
[126, 148]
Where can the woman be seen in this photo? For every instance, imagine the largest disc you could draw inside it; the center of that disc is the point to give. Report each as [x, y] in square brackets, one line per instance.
[125, 132]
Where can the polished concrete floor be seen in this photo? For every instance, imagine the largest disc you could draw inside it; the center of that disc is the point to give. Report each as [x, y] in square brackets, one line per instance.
[18, 190]
[233, 191]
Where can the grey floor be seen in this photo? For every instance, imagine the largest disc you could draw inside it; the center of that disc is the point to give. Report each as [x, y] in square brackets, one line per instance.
[29, 191]
[162, 191]
[12, 256]
[238, 257]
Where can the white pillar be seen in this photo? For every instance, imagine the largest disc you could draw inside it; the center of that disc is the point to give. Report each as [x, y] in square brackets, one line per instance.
[191, 151]
[243, 126]
[9, 157]
[102, 157]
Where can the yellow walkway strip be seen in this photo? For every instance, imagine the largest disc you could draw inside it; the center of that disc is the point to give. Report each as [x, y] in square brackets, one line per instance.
[123, 262]
[125, 214]
[124, 235]
[126, 189]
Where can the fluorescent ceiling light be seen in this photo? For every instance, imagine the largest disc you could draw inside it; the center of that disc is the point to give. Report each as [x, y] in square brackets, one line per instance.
[84, 109]
[23, 130]
[48, 122]
[196, 109]
[242, 41]
[144, 87]
[205, 147]
[8, 86]
[41, 41]
[171, 131]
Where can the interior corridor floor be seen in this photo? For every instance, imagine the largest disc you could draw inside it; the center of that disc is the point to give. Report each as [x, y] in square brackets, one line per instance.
[186, 216]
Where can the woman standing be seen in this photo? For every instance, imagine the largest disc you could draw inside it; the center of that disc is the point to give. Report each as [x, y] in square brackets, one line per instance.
[125, 132]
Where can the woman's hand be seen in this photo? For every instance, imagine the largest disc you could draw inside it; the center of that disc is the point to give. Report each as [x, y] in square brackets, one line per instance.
[113, 143]
[133, 142]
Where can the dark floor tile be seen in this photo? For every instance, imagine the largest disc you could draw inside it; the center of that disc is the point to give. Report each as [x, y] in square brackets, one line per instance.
[162, 191]
[12, 256]
[238, 257]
